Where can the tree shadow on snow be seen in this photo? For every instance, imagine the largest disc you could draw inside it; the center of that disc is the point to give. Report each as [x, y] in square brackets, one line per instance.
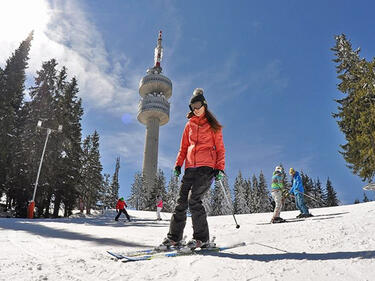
[107, 219]
[45, 231]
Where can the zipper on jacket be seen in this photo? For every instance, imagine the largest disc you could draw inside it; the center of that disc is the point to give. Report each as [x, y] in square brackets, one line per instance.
[195, 151]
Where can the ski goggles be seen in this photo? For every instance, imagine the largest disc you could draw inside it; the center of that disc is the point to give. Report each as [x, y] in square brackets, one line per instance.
[196, 105]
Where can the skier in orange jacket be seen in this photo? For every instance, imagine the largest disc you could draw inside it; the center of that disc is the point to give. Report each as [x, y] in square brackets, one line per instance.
[202, 150]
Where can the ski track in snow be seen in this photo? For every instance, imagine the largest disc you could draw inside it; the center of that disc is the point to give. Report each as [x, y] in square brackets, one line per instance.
[336, 244]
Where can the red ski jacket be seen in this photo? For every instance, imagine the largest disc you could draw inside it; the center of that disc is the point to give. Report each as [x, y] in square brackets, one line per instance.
[201, 146]
[160, 204]
[120, 205]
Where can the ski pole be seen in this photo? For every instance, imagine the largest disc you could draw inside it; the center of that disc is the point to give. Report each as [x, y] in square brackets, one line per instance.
[320, 202]
[226, 197]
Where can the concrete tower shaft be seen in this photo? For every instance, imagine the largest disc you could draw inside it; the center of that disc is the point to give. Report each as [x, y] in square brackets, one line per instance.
[153, 111]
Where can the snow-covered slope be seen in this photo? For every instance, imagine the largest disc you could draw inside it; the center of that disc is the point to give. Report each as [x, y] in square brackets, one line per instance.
[337, 244]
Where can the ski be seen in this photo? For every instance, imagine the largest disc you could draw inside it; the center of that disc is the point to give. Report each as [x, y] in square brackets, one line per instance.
[158, 249]
[143, 252]
[285, 221]
[185, 251]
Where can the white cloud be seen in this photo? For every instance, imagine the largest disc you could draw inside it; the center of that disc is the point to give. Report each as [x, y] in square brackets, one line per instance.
[128, 145]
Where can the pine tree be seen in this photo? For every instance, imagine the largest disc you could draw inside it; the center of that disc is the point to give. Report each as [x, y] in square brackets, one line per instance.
[110, 190]
[84, 187]
[253, 194]
[220, 205]
[54, 101]
[318, 194]
[207, 201]
[248, 195]
[137, 198]
[159, 189]
[105, 193]
[69, 113]
[263, 197]
[240, 200]
[12, 80]
[172, 194]
[91, 172]
[115, 185]
[308, 187]
[330, 196]
[356, 111]
[42, 107]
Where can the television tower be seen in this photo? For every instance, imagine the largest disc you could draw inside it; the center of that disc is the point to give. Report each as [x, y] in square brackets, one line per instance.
[155, 89]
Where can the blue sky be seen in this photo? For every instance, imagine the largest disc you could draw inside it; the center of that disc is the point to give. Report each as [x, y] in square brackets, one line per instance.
[266, 67]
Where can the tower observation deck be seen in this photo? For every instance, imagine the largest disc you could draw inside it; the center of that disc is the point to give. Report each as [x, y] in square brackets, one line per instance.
[153, 111]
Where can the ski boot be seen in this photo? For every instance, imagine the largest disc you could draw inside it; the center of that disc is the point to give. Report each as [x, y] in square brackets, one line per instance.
[194, 243]
[169, 244]
[308, 215]
[277, 220]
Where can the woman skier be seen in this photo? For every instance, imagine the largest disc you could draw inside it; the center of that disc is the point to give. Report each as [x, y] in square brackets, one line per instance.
[202, 150]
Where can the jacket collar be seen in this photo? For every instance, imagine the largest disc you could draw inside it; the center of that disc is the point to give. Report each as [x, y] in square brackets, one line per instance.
[295, 174]
[199, 119]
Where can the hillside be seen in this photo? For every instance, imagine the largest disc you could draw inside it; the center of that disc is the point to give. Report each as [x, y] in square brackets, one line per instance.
[337, 244]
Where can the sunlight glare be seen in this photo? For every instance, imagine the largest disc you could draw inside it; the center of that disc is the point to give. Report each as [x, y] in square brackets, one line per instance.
[20, 17]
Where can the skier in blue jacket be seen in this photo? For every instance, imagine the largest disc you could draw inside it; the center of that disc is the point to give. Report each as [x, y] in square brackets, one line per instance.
[297, 190]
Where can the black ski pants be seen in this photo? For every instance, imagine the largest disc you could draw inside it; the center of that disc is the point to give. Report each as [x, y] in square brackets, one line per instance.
[197, 181]
[122, 211]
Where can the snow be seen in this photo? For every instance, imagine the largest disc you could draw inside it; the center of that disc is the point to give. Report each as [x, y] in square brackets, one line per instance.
[337, 244]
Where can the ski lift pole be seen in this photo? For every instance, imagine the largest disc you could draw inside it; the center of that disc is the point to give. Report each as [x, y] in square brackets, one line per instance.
[226, 197]
[31, 206]
[40, 164]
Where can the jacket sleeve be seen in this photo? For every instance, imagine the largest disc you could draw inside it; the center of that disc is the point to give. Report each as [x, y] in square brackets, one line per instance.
[220, 150]
[291, 191]
[183, 147]
[299, 186]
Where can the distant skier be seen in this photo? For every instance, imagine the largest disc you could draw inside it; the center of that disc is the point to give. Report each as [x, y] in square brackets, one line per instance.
[202, 150]
[159, 206]
[277, 192]
[120, 208]
[297, 190]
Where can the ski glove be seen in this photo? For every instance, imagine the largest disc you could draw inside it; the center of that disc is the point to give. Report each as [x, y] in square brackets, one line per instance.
[285, 193]
[219, 174]
[177, 171]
